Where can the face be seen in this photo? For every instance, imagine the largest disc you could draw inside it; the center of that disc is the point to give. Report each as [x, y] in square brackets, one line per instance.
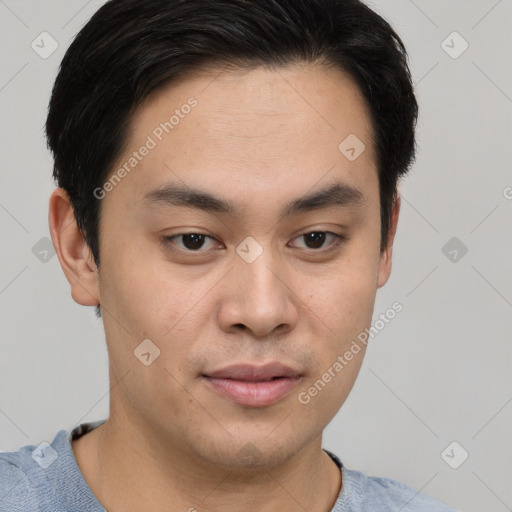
[243, 235]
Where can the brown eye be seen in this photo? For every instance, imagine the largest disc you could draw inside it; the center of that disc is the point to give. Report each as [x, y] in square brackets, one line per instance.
[191, 242]
[316, 239]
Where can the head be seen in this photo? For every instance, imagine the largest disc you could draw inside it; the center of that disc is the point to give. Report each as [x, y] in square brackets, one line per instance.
[181, 128]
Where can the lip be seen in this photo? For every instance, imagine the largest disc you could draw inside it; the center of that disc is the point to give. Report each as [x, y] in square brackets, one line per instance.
[253, 386]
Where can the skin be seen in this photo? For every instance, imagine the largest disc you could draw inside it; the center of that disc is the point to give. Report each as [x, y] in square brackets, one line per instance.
[260, 138]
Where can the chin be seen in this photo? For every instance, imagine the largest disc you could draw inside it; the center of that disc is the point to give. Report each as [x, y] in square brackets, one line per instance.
[257, 453]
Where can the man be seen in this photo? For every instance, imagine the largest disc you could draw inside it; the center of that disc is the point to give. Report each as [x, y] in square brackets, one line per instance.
[227, 197]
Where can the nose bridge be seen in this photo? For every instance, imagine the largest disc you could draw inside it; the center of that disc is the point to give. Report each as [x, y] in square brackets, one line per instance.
[262, 301]
[261, 286]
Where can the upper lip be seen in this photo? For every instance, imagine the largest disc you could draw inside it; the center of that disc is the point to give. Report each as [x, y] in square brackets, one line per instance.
[250, 372]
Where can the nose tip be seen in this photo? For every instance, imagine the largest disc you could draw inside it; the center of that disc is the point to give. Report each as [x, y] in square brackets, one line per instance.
[258, 299]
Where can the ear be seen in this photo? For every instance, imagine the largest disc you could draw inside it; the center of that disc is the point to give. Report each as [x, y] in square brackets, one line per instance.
[74, 254]
[386, 255]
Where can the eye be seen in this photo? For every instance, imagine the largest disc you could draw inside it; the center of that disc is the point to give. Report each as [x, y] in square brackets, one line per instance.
[316, 239]
[191, 242]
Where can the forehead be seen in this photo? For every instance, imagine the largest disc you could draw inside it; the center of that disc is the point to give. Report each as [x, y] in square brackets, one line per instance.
[252, 130]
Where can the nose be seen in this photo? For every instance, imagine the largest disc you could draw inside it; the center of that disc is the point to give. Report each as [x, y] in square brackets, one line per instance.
[258, 298]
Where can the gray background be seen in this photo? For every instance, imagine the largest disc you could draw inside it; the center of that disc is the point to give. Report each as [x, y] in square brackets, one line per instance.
[439, 372]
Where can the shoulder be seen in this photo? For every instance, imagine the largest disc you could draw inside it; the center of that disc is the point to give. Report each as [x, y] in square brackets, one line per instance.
[16, 491]
[361, 492]
[46, 476]
[31, 478]
[385, 494]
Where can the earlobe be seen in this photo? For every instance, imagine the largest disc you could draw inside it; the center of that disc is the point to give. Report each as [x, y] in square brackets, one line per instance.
[74, 255]
[386, 256]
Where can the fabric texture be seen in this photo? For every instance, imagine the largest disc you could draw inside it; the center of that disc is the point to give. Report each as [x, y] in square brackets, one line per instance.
[46, 478]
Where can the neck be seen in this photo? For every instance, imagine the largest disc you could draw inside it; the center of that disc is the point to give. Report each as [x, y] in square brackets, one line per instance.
[125, 467]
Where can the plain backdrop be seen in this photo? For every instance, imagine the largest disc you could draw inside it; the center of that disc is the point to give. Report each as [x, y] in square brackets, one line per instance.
[439, 373]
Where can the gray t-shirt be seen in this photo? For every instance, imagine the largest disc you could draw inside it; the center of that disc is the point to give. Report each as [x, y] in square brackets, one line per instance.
[46, 478]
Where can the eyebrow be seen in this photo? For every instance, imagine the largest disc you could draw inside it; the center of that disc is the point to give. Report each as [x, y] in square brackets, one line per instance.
[338, 194]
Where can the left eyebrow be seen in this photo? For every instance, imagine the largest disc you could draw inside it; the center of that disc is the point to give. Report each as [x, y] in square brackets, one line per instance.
[338, 194]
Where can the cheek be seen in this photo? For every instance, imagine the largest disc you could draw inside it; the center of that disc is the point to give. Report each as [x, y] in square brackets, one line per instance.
[345, 300]
[352, 304]
[342, 309]
[142, 291]
[158, 303]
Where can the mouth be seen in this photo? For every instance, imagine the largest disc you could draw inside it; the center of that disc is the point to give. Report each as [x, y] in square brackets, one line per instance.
[253, 386]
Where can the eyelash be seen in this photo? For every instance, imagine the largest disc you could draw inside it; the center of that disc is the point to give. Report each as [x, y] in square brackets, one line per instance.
[339, 240]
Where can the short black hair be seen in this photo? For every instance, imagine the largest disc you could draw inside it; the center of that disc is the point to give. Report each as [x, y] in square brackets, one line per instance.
[129, 48]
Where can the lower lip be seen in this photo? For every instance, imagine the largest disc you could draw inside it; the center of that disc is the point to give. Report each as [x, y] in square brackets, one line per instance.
[254, 394]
